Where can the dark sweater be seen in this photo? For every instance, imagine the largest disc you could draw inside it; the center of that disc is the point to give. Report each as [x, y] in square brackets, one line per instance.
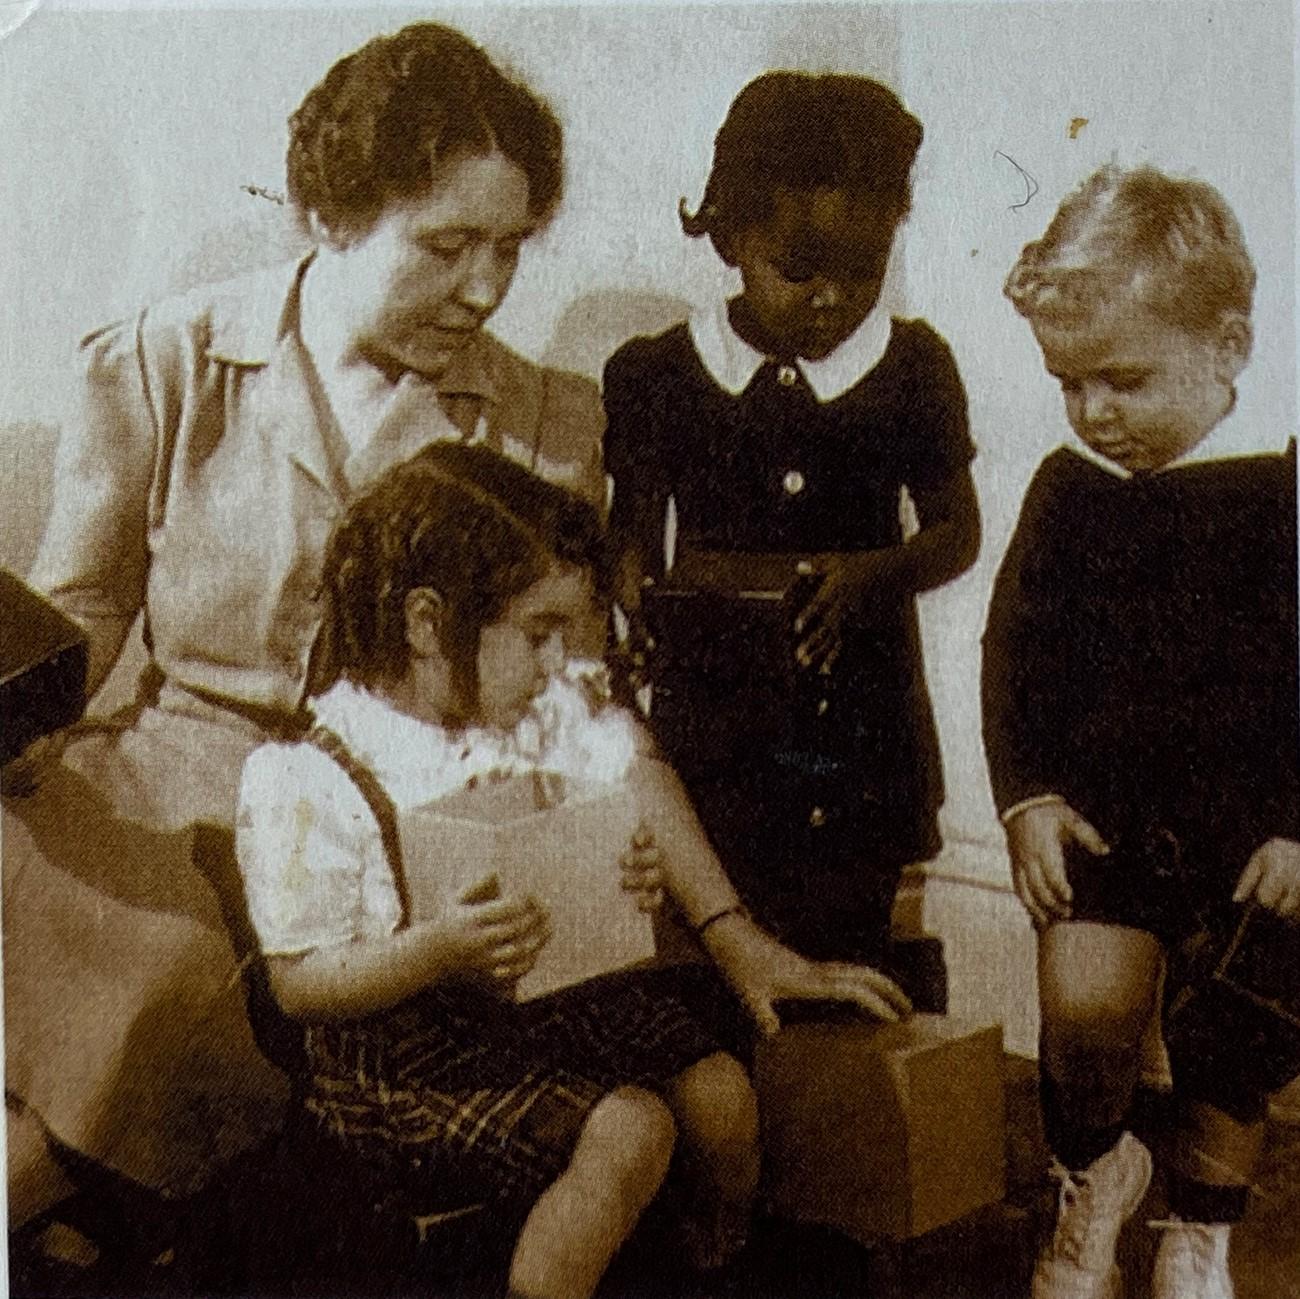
[1140, 655]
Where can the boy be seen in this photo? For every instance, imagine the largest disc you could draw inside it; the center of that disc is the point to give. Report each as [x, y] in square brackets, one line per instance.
[1140, 701]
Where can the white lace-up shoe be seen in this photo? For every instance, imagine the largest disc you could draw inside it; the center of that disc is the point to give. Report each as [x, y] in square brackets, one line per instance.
[1192, 1261]
[1079, 1260]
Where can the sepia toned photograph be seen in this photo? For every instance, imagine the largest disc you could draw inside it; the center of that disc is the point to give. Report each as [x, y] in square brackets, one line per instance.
[649, 651]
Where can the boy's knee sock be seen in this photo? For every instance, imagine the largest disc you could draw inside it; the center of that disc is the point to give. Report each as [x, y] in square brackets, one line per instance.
[1196, 1201]
[1074, 1141]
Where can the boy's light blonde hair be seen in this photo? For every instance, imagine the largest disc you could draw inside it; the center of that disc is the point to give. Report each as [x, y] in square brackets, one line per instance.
[1173, 240]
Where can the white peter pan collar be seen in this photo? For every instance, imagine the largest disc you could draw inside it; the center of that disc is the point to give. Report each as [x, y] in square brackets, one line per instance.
[733, 362]
[418, 762]
[1232, 438]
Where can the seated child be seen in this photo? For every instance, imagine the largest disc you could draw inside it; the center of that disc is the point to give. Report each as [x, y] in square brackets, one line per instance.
[454, 583]
[786, 425]
[1140, 709]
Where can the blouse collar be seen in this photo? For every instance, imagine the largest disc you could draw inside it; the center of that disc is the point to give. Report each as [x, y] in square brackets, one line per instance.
[566, 732]
[733, 362]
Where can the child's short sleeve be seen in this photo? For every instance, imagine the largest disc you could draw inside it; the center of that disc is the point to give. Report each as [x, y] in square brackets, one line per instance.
[310, 852]
[940, 445]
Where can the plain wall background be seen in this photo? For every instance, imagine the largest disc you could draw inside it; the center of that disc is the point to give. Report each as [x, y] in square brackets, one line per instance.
[128, 134]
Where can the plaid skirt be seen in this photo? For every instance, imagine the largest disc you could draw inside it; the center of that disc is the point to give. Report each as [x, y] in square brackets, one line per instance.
[458, 1096]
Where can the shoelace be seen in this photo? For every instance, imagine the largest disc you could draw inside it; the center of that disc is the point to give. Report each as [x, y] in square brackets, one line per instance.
[1071, 1236]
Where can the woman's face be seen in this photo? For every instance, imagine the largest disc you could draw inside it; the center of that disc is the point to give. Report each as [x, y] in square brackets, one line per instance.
[431, 271]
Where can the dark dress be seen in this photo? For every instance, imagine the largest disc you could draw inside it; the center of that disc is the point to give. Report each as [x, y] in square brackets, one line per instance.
[814, 826]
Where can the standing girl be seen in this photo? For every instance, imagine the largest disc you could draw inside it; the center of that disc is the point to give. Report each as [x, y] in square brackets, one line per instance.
[455, 584]
[785, 425]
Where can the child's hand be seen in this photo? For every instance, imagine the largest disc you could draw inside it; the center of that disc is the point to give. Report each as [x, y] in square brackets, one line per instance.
[851, 581]
[764, 971]
[643, 870]
[498, 939]
[1272, 878]
[1036, 839]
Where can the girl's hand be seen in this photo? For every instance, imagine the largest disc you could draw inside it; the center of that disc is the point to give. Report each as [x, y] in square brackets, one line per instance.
[850, 582]
[1036, 839]
[498, 939]
[643, 870]
[1272, 878]
[763, 971]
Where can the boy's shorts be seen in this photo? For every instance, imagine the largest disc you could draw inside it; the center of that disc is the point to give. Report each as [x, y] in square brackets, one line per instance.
[1224, 1051]
[1144, 882]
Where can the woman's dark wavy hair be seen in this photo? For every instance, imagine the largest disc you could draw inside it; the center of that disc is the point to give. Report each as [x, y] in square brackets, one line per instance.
[805, 131]
[465, 522]
[376, 129]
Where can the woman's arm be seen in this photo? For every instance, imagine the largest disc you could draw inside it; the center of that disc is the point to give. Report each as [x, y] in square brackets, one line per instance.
[93, 559]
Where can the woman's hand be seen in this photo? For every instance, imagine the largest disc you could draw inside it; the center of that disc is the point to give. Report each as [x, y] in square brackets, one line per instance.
[1272, 878]
[850, 582]
[498, 939]
[643, 870]
[763, 971]
[1036, 839]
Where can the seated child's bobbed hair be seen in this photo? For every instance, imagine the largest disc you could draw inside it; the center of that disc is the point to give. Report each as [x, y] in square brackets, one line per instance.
[803, 131]
[1173, 240]
[463, 521]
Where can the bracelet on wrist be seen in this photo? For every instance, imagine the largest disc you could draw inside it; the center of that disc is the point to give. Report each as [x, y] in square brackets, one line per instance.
[734, 910]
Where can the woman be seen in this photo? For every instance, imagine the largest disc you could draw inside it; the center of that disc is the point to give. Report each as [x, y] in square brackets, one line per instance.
[220, 437]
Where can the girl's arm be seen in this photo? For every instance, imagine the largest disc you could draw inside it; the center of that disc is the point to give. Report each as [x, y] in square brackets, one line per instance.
[944, 546]
[496, 942]
[323, 903]
[762, 970]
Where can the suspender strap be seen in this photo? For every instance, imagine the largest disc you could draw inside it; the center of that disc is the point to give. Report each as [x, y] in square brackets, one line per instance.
[377, 800]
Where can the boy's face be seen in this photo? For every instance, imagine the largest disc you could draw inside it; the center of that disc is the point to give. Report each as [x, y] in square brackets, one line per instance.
[518, 653]
[814, 271]
[1138, 390]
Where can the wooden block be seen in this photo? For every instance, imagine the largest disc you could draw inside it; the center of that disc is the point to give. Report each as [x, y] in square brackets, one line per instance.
[883, 1130]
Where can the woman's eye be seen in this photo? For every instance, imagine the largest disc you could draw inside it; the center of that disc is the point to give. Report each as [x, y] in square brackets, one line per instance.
[1127, 382]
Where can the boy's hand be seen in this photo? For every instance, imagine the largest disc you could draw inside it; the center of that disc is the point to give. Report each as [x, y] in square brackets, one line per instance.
[643, 870]
[1272, 878]
[498, 939]
[850, 582]
[1036, 838]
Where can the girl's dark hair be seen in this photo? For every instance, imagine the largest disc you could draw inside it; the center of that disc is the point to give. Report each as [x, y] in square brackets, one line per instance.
[465, 522]
[804, 131]
[375, 130]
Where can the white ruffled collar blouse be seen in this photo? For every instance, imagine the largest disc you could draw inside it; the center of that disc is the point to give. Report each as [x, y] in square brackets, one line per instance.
[571, 731]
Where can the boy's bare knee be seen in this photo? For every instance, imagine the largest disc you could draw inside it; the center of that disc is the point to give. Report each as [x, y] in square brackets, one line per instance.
[1088, 1021]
